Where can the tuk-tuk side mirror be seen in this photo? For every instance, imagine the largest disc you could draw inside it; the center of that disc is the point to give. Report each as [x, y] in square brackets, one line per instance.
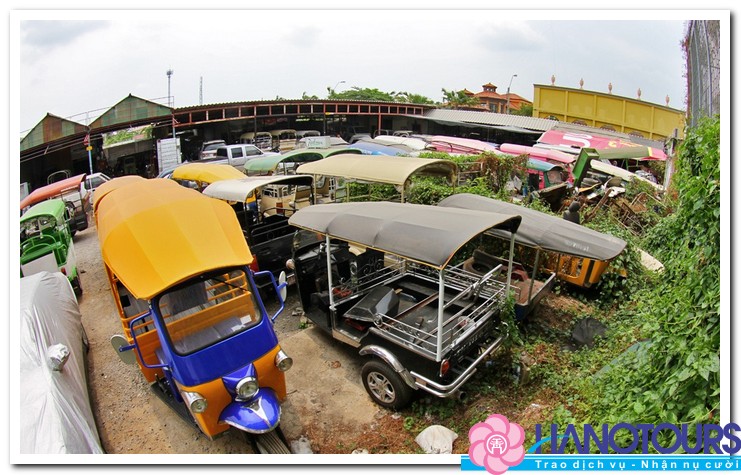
[123, 349]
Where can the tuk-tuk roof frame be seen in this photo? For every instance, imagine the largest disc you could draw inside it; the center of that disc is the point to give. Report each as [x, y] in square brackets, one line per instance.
[543, 231]
[395, 170]
[429, 235]
[155, 234]
[239, 190]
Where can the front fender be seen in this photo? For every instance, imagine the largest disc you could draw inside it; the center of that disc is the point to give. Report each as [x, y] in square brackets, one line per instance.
[259, 415]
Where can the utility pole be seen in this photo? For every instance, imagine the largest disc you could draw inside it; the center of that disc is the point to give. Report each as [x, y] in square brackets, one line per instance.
[200, 93]
[170, 101]
[510, 85]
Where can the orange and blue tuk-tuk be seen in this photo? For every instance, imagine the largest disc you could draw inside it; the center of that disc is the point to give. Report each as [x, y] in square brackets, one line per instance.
[178, 267]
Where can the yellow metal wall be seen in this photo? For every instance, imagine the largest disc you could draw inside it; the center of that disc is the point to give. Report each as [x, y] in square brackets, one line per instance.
[595, 109]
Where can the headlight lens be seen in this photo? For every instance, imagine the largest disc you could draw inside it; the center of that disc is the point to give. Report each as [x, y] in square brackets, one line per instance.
[195, 402]
[247, 387]
[282, 361]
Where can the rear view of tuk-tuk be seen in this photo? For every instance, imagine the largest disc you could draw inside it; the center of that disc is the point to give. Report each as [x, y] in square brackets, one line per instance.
[178, 267]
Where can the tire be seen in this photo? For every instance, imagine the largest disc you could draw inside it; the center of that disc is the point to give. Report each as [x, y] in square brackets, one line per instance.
[270, 443]
[76, 286]
[385, 386]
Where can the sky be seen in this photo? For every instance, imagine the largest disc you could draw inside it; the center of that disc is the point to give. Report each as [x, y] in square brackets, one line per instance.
[77, 64]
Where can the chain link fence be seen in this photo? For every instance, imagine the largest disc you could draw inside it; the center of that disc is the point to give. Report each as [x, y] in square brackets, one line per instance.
[702, 48]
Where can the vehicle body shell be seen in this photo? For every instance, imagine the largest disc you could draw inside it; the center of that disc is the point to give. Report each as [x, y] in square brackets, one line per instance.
[177, 265]
[381, 280]
[46, 242]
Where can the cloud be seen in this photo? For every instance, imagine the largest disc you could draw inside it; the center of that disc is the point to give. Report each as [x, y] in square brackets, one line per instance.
[39, 37]
[304, 37]
[511, 37]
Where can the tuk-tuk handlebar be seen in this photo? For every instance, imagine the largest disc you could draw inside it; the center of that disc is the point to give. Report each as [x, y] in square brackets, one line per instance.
[136, 345]
[278, 287]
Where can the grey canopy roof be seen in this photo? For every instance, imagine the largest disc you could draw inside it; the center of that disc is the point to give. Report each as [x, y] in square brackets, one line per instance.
[427, 234]
[540, 230]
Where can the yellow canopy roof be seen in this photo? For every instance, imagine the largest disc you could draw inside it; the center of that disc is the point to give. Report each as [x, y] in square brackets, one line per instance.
[206, 172]
[111, 185]
[155, 233]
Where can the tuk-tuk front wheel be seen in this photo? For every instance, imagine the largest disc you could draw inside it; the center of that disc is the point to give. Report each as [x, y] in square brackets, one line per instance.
[385, 386]
[76, 286]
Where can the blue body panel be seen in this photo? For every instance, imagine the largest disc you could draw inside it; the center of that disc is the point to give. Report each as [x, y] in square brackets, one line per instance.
[258, 415]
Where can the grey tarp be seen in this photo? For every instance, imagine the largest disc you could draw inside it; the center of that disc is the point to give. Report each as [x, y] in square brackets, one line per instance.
[426, 234]
[55, 412]
[540, 230]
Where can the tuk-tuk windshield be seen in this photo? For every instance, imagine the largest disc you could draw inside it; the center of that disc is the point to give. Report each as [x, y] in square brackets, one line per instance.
[34, 226]
[207, 310]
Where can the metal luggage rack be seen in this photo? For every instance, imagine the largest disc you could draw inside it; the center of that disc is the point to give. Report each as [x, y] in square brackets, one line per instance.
[478, 299]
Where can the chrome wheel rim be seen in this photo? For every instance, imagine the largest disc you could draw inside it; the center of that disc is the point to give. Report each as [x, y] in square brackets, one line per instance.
[381, 387]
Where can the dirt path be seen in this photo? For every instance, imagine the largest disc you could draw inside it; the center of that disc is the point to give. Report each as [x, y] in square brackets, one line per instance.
[326, 399]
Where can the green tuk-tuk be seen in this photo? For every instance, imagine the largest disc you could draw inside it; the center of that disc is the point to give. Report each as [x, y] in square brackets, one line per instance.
[46, 242]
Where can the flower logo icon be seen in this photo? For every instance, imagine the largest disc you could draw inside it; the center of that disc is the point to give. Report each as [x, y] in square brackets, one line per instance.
[496, 444]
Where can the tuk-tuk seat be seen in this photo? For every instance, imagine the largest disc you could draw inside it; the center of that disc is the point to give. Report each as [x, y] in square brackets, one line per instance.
[381, 300]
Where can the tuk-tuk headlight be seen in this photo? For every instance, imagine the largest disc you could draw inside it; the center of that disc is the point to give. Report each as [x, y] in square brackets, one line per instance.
[247, 387]
[195, 402]
[282, 361]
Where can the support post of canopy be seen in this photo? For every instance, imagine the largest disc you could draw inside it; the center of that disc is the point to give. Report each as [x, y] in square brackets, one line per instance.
[329, 275]
[535, 272]
[511, 260]
[440, 316]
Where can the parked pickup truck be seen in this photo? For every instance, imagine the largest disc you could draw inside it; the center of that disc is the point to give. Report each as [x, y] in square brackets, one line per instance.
[237, 155]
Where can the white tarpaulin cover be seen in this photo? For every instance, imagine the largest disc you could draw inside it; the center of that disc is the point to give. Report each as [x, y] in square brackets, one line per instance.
[55, 412]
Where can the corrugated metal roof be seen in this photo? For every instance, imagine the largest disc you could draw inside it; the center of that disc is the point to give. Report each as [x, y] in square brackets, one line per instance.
[491, 118]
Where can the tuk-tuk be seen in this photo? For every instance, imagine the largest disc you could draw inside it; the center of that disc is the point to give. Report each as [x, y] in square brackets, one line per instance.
[74, 194]
[178, 268]
[263, 205]
[283, 139]
[261, 140]
[199, 175]
[46, 242]
[565, 250]
[286, 163]
[381, 279]
[342, 169]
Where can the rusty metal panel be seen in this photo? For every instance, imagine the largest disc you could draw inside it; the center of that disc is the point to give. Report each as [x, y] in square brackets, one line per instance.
[130, 109]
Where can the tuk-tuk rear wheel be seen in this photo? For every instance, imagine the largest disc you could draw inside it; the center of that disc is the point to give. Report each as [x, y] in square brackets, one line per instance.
[385, 386]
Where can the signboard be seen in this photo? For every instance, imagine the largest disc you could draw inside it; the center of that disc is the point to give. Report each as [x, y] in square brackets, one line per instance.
[168, 154]
[318, 142]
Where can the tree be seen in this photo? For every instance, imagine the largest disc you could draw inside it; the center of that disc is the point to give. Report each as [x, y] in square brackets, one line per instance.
[413, 98]
[525, 109]
[458, 99]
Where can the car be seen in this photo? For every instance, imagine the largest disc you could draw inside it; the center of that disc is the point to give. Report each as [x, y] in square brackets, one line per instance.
[237, 154]
[94, 180]
[208, 149]
[55, 403]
